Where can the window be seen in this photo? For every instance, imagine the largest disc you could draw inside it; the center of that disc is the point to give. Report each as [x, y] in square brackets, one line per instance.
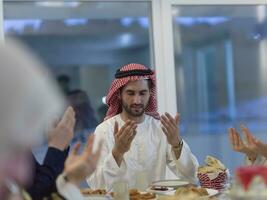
[83, 43]
[221, 67]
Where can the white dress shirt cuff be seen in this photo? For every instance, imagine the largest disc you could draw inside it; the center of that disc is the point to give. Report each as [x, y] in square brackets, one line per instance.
[67, 189]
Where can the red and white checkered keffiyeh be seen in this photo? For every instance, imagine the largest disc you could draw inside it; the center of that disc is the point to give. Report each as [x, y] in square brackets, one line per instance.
[114, 104]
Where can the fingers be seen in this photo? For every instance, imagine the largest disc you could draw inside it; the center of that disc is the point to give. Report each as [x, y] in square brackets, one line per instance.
[132, 136]
[250, 140]
[177, 118]
[68, 119]
[69, 112]
[170, 119]
[166, 127]
[89, 145]
[231, 136]
[126, 127]
[128, 131]
[165, 131]
[116, 128]
[125, 136]
[168, 123]
[247, 135]
[236, 140]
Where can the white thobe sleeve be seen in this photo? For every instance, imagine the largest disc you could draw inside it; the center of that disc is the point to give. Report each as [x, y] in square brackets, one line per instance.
[107, 171]
[68, 190]
[186, 166]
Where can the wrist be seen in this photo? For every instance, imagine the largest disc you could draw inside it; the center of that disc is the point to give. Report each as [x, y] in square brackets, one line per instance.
[178, 149]
[117, 153]
[118, 156]
[56, 146]
[178, 144]
[252, 157]
[67, 177]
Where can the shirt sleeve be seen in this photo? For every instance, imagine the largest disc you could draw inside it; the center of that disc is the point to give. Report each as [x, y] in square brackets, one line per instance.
[107, 171]
[67, 189]
[186, 166]
[45, 175]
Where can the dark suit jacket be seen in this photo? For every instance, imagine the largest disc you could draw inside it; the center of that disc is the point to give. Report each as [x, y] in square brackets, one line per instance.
[44, 177]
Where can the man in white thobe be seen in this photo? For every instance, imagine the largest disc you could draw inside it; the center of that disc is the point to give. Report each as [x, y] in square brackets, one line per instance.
[136, 139]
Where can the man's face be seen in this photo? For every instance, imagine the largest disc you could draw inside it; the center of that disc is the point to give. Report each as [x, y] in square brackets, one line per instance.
[135, 96]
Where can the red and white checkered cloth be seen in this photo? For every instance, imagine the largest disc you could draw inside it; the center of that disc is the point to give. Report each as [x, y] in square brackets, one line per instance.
[217, 183]
[114, 104]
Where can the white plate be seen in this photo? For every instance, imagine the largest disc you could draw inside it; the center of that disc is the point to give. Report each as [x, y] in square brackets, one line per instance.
[170, 183]
[170, 189]
[212, 192]
[97, 197]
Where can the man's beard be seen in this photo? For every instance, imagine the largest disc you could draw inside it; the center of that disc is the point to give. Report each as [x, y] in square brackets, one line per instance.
[130, 109]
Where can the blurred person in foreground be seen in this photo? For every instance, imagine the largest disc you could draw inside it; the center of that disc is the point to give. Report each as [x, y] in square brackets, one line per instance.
[29, 100]
[59, 138]
[136, 139]
[255, 150]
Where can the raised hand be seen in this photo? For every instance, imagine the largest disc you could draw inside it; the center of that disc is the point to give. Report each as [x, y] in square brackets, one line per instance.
[170, 128]
[78, 167]
[61, 134]
[242, 146]
[123, 139]
[261, 148]
[253, 143]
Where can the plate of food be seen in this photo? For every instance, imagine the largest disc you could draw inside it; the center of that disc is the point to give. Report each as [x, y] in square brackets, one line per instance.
[170, 183]
[190, 193]
[98, 194]
[197, 191]
[135, 194]
[213, 174]
[160, 189]
[212, 192]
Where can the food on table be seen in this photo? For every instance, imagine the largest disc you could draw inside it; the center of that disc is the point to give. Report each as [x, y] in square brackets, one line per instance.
[159, 188]
[191, 190]
[89, 191]
[136, 195]
[213, 175]
[213, 162]
[188, 193]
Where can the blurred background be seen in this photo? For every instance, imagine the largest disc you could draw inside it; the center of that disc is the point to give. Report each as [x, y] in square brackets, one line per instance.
[219, 54]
